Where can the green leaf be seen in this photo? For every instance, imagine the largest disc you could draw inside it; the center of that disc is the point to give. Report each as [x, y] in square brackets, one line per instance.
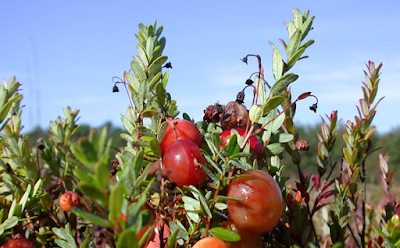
[283, 44]
[92, 191]
[4, 96]
[282, 84]
[115, 202]
[203, 201]
[291, 29]
[137, 100]
[212, 163]
[102, 173]
[142, 53]
[129, 126]
[255, 113]
[193, 216]
[277, 123]
[240, 164]
[172, 238]
[189, 200]
[155, 67]
[294, 43]
[155, 80]
[127, 239]
[282, 137]
[209, 173]
[84, 152]
[344, 220]
[85, 242]
[295, 58]
[9, 223]
[298, 18]
[221, 206]
[225, 234]
[23, 201]
[139, 60]
[97, 220]
[5, 109]
[138, 70]
[83, 176]
[347, 156]
[37, 186]
[182, 233]
[277, 64]
[145, 131]
[272, 103]
[158, 50]
[13, 208]
[233, 147]
[307, 44]
[306, 27]
[150, 46]
[165, 79]
[143, 90]
[68, 240]
[133, 81]
[160, 93]
[275, 148]
[364, 107]
[155, 147]
[64, 244]
[138, 162]
[260, 87]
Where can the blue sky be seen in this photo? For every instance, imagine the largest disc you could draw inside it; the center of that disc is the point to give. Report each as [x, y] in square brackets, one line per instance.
[66, 52]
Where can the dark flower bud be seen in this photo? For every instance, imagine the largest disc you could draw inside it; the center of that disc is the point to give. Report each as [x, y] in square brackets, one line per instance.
[115, 89]
[249, 81]
[168, 65]
[245, 60]
[40, 145]
[314, 107]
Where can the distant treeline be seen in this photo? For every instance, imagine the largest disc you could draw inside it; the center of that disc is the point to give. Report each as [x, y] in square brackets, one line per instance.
[382, 143]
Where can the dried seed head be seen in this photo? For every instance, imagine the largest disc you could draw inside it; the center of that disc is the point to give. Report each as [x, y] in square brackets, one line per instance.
[240, 97]
[302, 145]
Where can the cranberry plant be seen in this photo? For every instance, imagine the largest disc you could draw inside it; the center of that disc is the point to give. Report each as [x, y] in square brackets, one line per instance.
[177, 182]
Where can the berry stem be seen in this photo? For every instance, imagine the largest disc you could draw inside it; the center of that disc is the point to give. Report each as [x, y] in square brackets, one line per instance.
[209, 219]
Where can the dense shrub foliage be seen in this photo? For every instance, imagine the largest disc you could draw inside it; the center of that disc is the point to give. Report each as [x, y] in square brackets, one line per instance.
[219, 182]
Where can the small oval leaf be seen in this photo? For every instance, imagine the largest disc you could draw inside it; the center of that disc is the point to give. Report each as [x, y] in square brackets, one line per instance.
[225, 234]
[272, 103]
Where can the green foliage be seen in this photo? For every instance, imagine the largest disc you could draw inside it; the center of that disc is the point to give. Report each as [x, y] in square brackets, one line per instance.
[124, 187]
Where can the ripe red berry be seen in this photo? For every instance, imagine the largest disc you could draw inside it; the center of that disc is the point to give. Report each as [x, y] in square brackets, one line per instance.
[210, 242]
[262, 204]
[69, 200]
[18, 243]
[256, 147]
[247, 239]
[185, 130]
[180, 162]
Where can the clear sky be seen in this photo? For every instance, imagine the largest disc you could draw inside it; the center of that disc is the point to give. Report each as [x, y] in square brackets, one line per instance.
[66, 52]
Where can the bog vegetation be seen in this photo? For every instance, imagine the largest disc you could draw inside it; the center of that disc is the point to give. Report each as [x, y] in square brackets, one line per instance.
[238, 178]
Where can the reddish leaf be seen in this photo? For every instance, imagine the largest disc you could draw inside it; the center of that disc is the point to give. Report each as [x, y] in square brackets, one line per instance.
[316, 181]
[304, 95]
[328, 184]
[325, 195]
[319, 206]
